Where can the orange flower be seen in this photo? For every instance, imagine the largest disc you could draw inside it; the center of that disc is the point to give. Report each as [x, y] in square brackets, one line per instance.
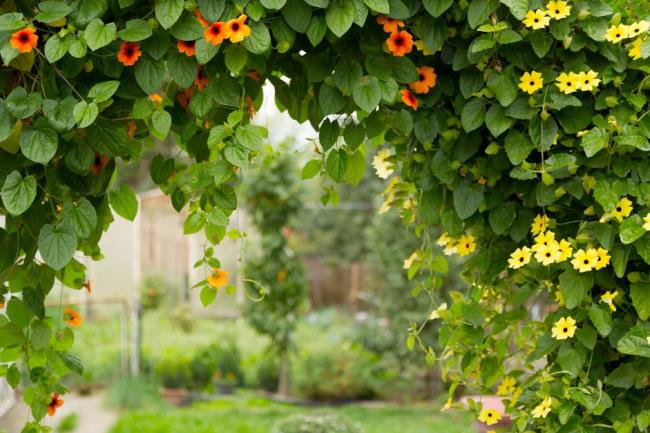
[217, 32]
[155, 98]
[183, 98]
[400, 43]
[426, 81]
[131, 127]
[129, 53]
[55, 403]
[238, 29]
[409, 99]
[199, 17]
[390, 25]
[254, 74]
[24, 40]
[72, 317]
[101, 161]
[89, 286]
[250, 106]
[218, 278]
[200, 80]
[186, 47]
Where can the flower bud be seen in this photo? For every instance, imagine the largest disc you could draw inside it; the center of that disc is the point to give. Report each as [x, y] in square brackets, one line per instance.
[547, 178]
[544, 115]
[584, 13]
[492, 149]
[616, 19]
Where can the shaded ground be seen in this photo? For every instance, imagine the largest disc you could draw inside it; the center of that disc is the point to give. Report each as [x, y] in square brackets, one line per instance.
[91, 413]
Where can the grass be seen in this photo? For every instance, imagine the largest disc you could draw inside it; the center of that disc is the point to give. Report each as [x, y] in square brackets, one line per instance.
[255, 415]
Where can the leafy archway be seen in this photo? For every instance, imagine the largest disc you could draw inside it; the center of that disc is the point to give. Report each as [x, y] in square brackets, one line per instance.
[510, 123]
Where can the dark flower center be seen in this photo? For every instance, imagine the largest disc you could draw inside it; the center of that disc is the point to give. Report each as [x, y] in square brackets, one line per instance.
[421, 77]
[536, 20]
[618, 35]
[23, 37]
[618, 209]
[521, 259]
[557, 11]
[565, 330]
[235, 26]
[399, 41]
[532, 83]
[128, 51]
[586, 262]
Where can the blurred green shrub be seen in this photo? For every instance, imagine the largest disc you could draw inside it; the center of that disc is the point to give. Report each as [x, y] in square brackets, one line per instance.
[183, 318]
[134, 393]
[67, 424]
[221, 362]
[316, 424]
[173, 370]
[341, 372]
[153, 291]
[267, 372]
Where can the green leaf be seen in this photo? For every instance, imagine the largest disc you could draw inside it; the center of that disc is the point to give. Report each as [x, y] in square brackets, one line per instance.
[18, 193]
[149, 75]
[504, 87]
[108, 138]
[473, 114]
[136, 30]
[57, 244]
[56, 48]
[336, 164]
[259, 40]
[328, 133]
[251, 136]
[10, 335]
[496, 120]
[518, 8]
[208, 295]
[502, 217]
[380, 6]
[479, 11]
[601, 319]
[194, 222]
[635, 341]
[124, 202]
[212, 9]
[340, 16]
[437, 7]
[273, 4]
[99, 35]
[82, 216]
[356, 167]
[21, 104]
[103, 91]
[330, 99]
[52, 11]
[161, 169]
[297, 14]
[235, 58]
[39, 141]
[594, 141]
[367, 94]
[59, 112]
[161, 122]
[10, 22]
[311, 169]
[85, 114]
[468, 197]
[570, 359]
[640, 294]
[40, 335]
[237, 154]
[574, 287]
[631, 229]
[73, 363]
[168, 12]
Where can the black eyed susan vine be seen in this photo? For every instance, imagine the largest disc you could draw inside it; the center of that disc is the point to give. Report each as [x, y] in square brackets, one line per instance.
[518, 126]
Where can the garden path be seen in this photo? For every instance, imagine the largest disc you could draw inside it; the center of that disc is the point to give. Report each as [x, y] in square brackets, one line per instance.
[92, 414]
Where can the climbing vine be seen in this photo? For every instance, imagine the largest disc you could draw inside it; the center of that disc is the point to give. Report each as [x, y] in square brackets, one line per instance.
[519, 126]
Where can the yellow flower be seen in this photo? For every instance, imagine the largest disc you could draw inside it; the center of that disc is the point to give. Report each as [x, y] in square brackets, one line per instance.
[507, 386]
[382, 167]
[549, 253]
[564, 328]
[558, 9]
[587, 81]
[608, 298]
[450, 248]
[466, 245]
[567, 83]
[603, 258]
[444, 239]
[531, 82]
[585, 261]
[542, 409]
[635, 49]
[519, 258]
[622, 210]
[489, 416]
[409, 262]
[565, 251]
[536, 19]
[539, 225]
[515, 397]
[421, 46]
[646, 222]
[559, 298]
[616, 34]
[435, 314]
[637, 28]
[543, 240]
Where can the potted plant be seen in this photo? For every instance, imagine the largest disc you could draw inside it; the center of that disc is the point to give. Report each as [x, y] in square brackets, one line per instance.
[173, 372]
[228, 374]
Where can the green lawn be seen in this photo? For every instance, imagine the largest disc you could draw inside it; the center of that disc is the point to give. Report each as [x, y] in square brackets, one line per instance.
[255, 415]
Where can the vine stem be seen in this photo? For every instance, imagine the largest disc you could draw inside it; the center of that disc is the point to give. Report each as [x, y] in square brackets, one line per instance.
[60, 74]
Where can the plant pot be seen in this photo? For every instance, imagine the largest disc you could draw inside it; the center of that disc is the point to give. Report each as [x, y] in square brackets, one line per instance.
[225, 388]
[175, 396]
